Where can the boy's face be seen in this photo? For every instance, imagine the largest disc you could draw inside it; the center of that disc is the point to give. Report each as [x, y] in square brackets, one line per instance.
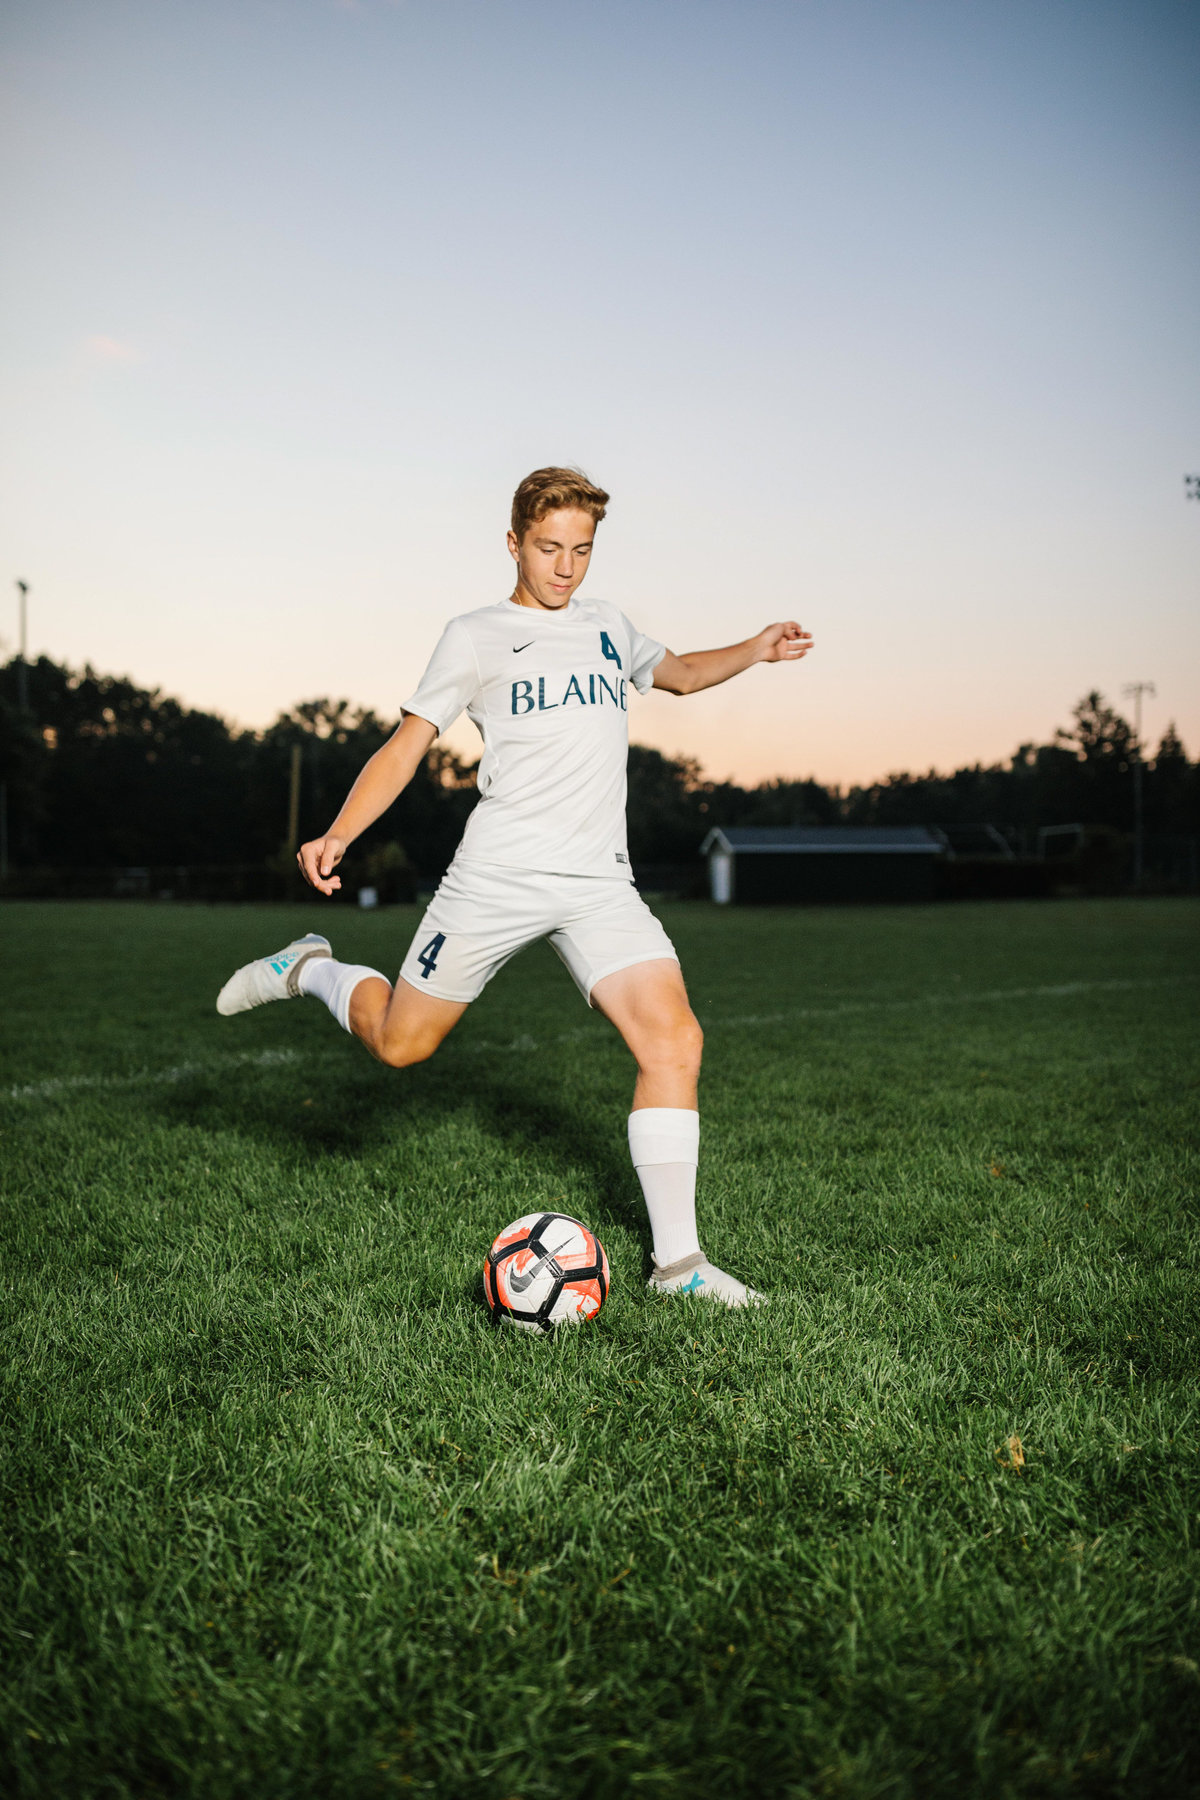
[552, 558]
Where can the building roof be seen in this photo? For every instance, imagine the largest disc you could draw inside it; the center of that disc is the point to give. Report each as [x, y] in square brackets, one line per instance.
[824, 840]
[975, 840]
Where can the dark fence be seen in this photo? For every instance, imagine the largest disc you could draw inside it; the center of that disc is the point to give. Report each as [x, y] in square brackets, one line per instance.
[162, 882]
[673, 881]
[994, 878]
[237, 882]
[1098, 866]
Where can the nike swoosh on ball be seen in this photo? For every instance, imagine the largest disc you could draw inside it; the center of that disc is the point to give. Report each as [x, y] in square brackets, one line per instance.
[518, 1283]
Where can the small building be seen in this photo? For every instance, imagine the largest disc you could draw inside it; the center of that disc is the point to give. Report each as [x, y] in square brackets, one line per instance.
[778, 865]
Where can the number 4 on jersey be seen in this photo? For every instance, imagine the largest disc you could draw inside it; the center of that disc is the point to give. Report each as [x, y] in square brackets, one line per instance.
[429, 955]
[610, 650]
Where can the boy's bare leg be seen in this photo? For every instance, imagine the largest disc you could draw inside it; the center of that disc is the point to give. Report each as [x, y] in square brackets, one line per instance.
[400, 1025]
[648, 1004]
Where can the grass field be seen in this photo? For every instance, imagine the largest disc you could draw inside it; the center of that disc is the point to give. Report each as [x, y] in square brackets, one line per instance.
[285, 1515]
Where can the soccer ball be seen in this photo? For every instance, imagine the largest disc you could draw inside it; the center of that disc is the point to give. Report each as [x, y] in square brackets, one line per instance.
[545, 1270]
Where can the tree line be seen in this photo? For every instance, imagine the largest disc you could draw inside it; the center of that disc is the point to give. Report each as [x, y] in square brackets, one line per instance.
[97, 772]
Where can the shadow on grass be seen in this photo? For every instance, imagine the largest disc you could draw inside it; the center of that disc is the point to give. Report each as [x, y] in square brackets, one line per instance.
[544, 1121]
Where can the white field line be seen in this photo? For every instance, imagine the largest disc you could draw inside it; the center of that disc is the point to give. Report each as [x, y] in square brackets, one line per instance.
[1059, 991]
[76, 1084]
[266, 1059]
[717, 1022]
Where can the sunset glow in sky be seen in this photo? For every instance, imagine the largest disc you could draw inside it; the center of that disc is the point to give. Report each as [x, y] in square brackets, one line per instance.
[875, 314]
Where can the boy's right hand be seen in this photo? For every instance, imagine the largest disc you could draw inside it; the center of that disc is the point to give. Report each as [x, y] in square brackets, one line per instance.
[318, 860]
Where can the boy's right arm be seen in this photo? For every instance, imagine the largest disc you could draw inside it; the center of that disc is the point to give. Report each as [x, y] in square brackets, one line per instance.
[382, 780]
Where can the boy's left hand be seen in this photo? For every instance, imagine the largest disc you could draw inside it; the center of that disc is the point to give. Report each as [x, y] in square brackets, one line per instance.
[784, 643]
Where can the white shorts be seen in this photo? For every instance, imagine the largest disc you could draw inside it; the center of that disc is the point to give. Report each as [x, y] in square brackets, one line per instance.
[482, 914]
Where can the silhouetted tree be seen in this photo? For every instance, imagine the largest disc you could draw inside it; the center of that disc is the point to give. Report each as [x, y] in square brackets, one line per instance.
[666, 820]
[1173, 789]
[101, 772]
[122, 774]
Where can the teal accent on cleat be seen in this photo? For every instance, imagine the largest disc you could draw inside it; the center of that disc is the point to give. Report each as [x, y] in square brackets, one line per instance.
[271, 977]
[696, 1275]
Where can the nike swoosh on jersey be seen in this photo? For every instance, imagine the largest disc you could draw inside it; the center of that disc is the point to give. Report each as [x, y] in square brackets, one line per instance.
[517, 648]
[518, 1283]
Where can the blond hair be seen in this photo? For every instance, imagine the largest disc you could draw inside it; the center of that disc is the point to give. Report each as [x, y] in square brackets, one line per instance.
[548, 490]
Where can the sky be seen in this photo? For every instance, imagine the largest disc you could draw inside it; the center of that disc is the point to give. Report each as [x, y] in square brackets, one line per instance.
[876, 314]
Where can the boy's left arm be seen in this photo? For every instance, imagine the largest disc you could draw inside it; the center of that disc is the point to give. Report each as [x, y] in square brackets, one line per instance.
[706, 668]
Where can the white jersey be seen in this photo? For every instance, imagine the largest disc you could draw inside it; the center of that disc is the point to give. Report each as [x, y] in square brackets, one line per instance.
[549, 694]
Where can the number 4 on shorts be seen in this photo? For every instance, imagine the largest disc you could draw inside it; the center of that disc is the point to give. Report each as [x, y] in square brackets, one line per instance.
[429, 955]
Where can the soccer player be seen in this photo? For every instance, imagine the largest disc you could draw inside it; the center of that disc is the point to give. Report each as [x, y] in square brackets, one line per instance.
[545, 677]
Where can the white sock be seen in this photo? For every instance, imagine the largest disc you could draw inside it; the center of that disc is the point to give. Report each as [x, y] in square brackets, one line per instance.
[334, 982]
[664, 1142]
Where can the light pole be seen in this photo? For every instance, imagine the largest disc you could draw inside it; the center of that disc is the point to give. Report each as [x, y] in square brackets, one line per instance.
[1136, 689]
[293, 829]
[22, 670]
[23, 705]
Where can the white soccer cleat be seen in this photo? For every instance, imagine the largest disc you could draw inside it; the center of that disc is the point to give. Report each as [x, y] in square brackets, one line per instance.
[271, 977]
[696, 1275]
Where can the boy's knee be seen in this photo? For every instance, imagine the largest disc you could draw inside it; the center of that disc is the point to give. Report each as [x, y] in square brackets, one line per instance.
[693, 1040]
[402, 1052]
[678, 1044]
